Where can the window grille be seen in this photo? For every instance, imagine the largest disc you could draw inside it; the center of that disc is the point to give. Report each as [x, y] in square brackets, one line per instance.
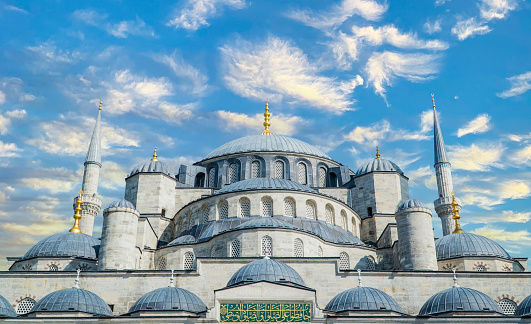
[301, 173]
[53, 267]
[161, 263]
[344, 262]
[289, 207]
[322, 177]
[255, 169]
[212, 177]
[25, 306]
[279, 169]
[371, 264]
[481, 268]
[320, 252]
[205, 211]
[235, 248]
[310, 210]
[507, 306]
[233, 173]
[245, 207]
[223, 209]
[267, 246]
[267, 207]
[298, 248]
[189, 260]
[329, 214]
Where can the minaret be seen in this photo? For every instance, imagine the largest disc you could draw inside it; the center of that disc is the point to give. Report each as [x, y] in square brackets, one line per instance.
[91, 203]
[443, 205]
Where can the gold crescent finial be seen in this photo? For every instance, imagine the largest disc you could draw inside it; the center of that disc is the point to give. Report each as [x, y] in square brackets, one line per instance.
[433, 101]
[377, 152]
[456, 216]
[77, 215]
[266, 120]
[100, 103]
[154, 155]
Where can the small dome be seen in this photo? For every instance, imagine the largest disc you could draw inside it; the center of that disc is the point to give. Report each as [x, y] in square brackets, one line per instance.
[466, 245]
[185, 239]
[459, 299]
[412, 203]
[363, 299]
[379, 165]
[151, 166]
[6, 310]
[169, 299]
[266, 270]
[73, 300]
[122, 203]
[266, 143]
[266, 222]
[265, 183]
[65, 245]
[524, 309]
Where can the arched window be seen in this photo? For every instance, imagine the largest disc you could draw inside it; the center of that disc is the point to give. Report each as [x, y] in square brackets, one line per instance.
[507, 306]
[344, 219]
[298, 248]
[310, 210]
[223, 209]
[344, 261]
[354, 227]
[161, 263]
[322, 177]
[212, 177]
[267, 207]
[188, 220]
[279, 169]
[289, 207]
[320, 252]
[25, 305]
[255, 169]
[235, 248]
[371, 264]
[199, 180]
[245, 207]
[267, 246]
[233, 173]
[53, 267]
[205, 213]
[302, 174]
[189, 261]
[481, 268]
[329, 214]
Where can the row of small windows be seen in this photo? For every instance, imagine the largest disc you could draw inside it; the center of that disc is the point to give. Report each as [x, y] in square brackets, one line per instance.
[188, 262]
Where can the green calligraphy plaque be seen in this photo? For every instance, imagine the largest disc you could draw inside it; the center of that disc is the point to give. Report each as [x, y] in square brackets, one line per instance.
[265, 312]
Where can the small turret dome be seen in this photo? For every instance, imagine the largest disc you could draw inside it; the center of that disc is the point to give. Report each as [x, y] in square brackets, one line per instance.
[73, 300]
[6, 310]
[363, 299]
[121, 203]
[169, 299]
[152, 166]
[65, 245]
[266, 269]
[459, 299]
[381, 165]
[265, 183]
[412, 203]
[466, 245]
[524, 309]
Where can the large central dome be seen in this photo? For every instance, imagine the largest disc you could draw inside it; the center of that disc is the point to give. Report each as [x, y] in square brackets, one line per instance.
[266, 143]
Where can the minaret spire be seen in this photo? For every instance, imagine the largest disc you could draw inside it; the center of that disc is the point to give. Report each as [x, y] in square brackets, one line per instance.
[443, 205]
[266, 120]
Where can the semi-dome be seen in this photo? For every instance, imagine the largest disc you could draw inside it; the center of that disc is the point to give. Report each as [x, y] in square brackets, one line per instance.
[151, 167]
[266, 143]
[121, 203]
[524, 309]
[411, 203]
[459, 299]
[72, 300]
[265, 183]
[468, 245]
[65, 245]
[169, 299]
[379, 165]
[266, 269]
[6, 310]
[266, 222]
[363, 299]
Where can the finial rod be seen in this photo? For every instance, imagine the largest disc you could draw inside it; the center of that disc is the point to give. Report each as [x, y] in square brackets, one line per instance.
[77, 215]
[172, 283]
[455, 278]
[76, 282]
[266, 120]
[433, 101]
[154, 155]
[359, 277]
[456, 216]
[100, 103]
[377, 152]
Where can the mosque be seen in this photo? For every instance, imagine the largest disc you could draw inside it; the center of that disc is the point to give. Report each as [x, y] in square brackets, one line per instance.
[266, 228]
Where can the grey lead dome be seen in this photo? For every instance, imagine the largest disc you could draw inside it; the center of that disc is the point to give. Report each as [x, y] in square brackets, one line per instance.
[65, 245]
[524, 309]
[121, 203]
[169, 299]
[379, 165]
[265, 183]
[459, 299]
[6, 310]
[412, 203]
[266, 270]
[468, 244]
[73, 300]
[151, 167]
[363, 299]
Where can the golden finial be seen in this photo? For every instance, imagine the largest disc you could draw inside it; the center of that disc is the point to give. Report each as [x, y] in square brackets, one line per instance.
[433, 101]
[266, 122]
[377, 152]
[456, 216]
[100, 103]
[77, 216]
[154, 155]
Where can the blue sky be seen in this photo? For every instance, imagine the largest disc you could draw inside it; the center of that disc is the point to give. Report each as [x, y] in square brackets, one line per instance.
[188, 76]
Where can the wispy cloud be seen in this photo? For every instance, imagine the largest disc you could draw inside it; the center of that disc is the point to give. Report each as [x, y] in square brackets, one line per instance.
[519, 84]
[432, 27]
[5, 119]
[8, 149]
[476, 157]
[278, 70]
[12, 89]
[182, 69]
[522, 156]
[89, 16]
[53, 180]
[499, 234]
[195, 13]
[389, 34]
[16, 9]
[48, 52]
[130, 27]
[112, 176]
[465, 28]
[281, 124]
[480, 124]
[506, 216]
[423, 175]
[496, 9]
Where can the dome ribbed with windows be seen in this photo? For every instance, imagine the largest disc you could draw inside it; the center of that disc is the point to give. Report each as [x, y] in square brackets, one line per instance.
[266, 269]
[381, 165]
[121, 203]
[151, 167]
[363, 299]
[169, 299]
[411, 203]
[73, 300]
[459, 299]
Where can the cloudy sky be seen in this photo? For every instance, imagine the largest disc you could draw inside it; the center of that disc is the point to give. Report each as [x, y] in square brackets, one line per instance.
[188, 76]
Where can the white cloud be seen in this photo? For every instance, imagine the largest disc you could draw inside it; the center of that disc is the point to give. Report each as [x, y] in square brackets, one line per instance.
[130, 27]
[8, 149]
[506, 216]
[514, 189]
[345, 49]
[422, 175]
[336, 15]
[278, 70]
[112, 176]
[481, 201]
[16, 9]
[522, 156]
[5, 119]
[464, 29]
[496, 9]
[499, 234]
[480, 124]
[195, 13]
[48, 52]
[441, 2]
[12, 90]
[2, 98]
[476, 157]
[54, 180]
[389, 34]
[280, 123]
[89, 17]
[519, 84]
[383, 67]
[182, 69]
[432, 27]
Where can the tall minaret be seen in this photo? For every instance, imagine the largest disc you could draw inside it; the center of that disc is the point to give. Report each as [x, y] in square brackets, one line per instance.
[91, 203]
[443, 205]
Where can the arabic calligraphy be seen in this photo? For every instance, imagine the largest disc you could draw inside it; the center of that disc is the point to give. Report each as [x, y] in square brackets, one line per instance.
[265, 312]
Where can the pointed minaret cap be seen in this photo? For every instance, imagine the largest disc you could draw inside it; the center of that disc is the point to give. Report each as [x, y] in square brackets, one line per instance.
[77, 216]
[440, 150]
[266, 120]
[94, 151]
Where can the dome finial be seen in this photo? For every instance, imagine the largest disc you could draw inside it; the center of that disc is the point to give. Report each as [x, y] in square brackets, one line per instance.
[100, 103]
[433, 101]
[359, 277]
[377, 152]
[456, 216]
[77, 216]
[455, 278]
[266, 120]
[76, 282]
[172, 283]
[154, 155]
